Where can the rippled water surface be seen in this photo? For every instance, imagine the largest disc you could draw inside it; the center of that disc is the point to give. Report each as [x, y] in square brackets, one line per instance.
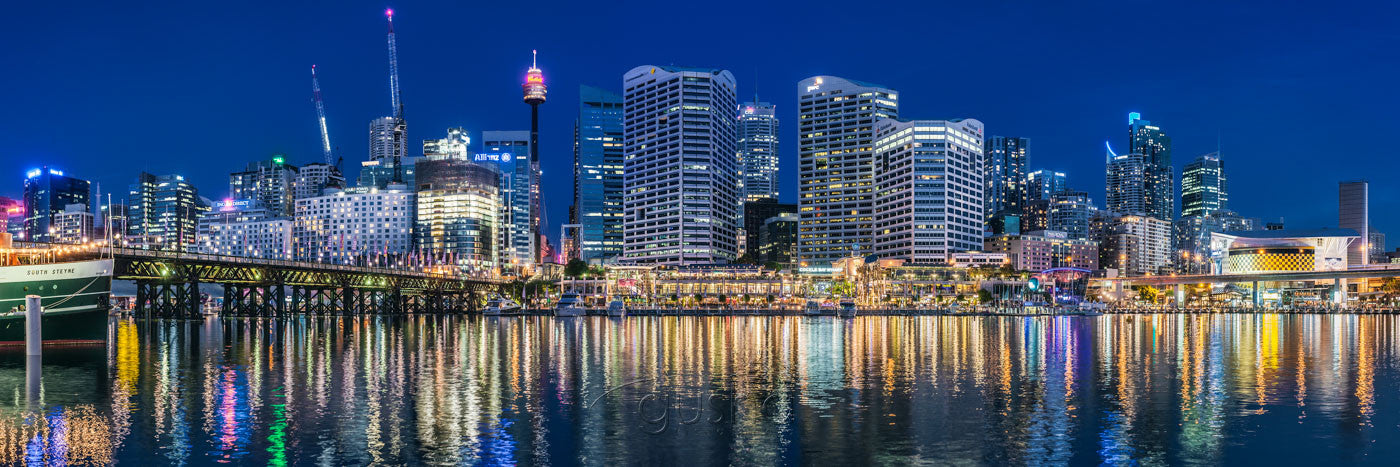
[1168, 389]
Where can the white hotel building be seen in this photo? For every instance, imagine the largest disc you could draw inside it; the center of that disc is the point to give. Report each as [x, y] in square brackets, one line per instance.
[243, 228]
[928, 189]
[680, 170]
[341, 225]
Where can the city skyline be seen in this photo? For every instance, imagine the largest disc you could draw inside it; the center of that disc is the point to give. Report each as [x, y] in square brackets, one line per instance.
[259, 93]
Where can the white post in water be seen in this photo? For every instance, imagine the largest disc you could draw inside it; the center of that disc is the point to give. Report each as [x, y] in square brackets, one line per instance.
[33, 344]
[33, 331]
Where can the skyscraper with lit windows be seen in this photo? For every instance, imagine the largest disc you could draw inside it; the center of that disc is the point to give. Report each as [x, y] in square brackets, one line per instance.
[836, 181]
[758, 149]
[928, 185]
[1159, 188]
[680, 176]
[1203, 186]
[47, 193]
[598, 181]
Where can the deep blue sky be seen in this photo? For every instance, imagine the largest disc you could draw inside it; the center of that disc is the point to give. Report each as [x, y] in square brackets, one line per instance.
[1302, 96]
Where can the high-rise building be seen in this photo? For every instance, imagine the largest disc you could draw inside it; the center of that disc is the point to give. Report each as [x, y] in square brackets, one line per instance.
[1124, 184]
[315, 177]
[777, 240]
[509, 152]
[1071, 212]
[836, 178]
[1191, 238]
[1005, 180]
[598, 181]
[1375, 245]
[163, 213]
[1135, 245]
[1159, 189]
[389, 161]
[269, 183]
[47, 193]
[458, 214]
[758, 149]
[73, 225]
[1043, 184]
[1353, 212]
[680, 176]
[757, 212]
[1203, 186]
[342, 226]
[928, 185]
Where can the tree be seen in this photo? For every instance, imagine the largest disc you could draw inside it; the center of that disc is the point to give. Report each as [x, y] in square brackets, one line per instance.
[1148, 294]
[746, 259]
[774, 266]
[843, 288]
[984, 297]
[575, 267]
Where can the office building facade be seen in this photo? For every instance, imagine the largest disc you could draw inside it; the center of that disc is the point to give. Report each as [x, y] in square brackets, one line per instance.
[758, 150]
[680, 176]
[163, 213]
[1071, 212]
[269, 183]
[928, 185]
[756, 213]
[598, 181]
[458, 214]
[1042, 184]
[509, 152]
[47, 193]
[1133, 245]
[836, 181]
[1203, 186]
[1353, 212]
[73, 225]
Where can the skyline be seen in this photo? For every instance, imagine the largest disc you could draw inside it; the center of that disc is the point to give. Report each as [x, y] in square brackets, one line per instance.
[1261, 108]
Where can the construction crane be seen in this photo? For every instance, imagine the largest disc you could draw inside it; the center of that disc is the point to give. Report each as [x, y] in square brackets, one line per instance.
[393, 68]
[321, 118]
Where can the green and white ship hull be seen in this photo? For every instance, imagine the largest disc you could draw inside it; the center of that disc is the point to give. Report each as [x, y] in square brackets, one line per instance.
[75, 297]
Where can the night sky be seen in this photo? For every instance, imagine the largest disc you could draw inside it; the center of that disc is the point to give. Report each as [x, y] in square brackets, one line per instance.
[1299, 96]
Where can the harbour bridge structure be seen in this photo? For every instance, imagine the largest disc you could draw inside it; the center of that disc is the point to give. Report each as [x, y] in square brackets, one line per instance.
[167, 285]
[1117, 287]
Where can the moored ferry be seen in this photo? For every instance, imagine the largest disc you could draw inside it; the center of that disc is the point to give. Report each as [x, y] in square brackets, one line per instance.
[74, 295]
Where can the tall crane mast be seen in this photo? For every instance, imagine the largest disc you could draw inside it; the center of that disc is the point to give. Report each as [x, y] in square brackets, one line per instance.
[393, 68]
[321, 117]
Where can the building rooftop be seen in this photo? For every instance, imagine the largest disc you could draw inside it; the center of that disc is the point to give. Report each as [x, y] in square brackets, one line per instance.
[1294, 233]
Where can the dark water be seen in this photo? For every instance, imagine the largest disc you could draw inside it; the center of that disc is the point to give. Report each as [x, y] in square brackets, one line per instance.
[716, 390]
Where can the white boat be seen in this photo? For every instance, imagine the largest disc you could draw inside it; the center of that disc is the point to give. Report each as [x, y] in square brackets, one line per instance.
[569, 305]
[813, 308]
[501, 305]
[617, 308]
[848, 308]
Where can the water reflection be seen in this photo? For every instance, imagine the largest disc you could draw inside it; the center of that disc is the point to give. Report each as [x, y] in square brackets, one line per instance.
[714, 390]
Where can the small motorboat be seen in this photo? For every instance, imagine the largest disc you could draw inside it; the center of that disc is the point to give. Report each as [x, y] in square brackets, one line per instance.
[500, 306]
[569, 305]
[813, 308]
[617, 308]
[848, 308]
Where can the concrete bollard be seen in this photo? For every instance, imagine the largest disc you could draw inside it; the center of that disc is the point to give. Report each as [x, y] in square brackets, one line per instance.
[33, 329]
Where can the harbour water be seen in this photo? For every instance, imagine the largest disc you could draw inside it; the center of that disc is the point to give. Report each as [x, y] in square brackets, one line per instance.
[1152, 389]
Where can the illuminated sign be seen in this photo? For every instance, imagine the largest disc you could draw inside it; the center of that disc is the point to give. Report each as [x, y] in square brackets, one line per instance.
[493, 157]
[229, 204]
[748, 110]
[34, 173]
[277, 159]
